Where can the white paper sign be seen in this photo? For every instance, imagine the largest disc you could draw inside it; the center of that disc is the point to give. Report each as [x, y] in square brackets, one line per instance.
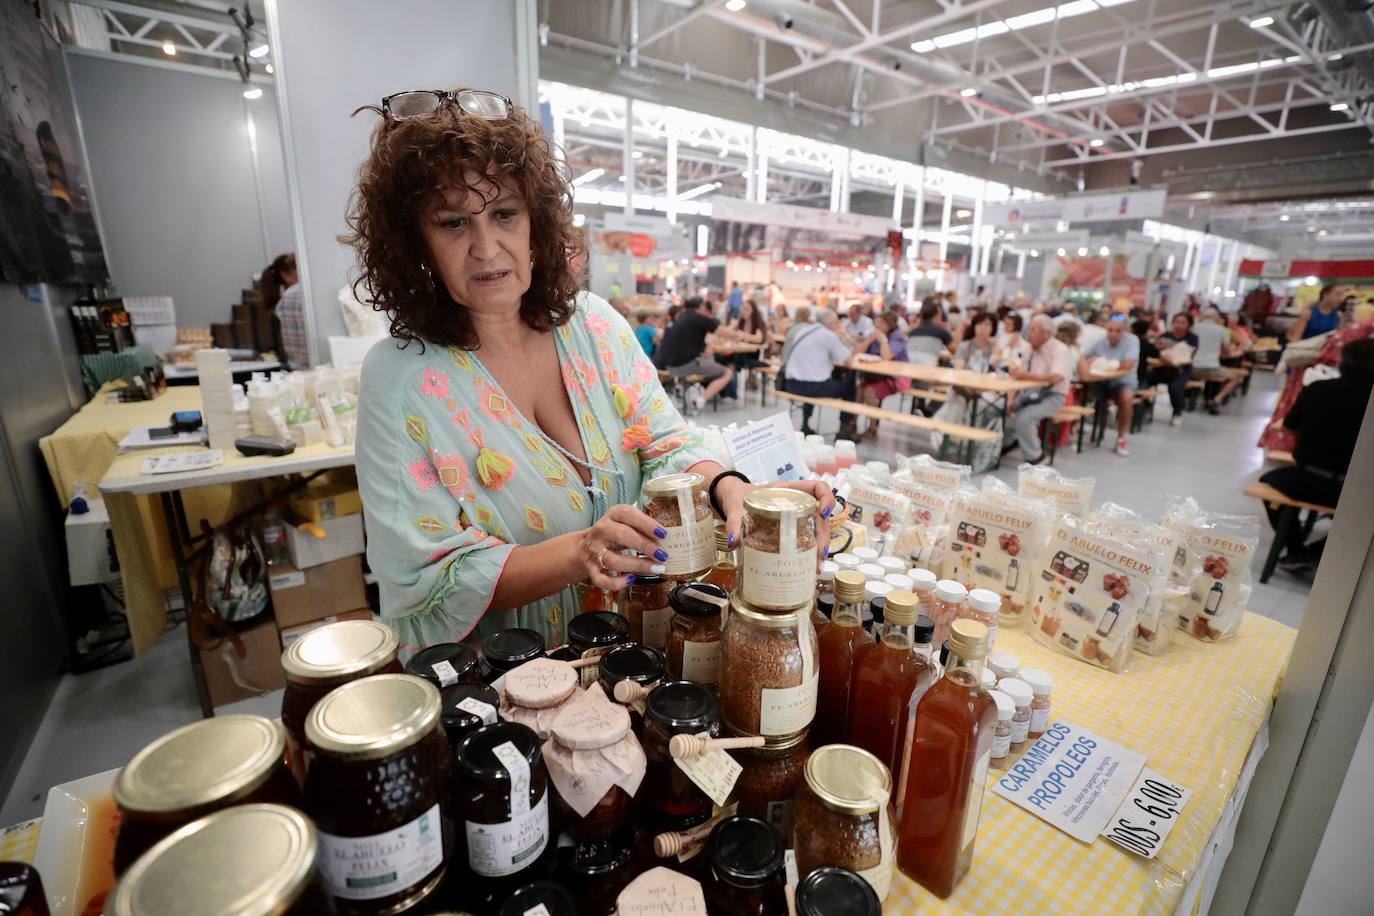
[1143, 822]
[1072, 778]
[766, 449]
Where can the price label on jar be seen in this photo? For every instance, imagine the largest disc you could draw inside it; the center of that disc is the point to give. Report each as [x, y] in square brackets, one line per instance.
[701, 661]
[714, 772]
[369, 867]
[1147, 816]
[445, 672]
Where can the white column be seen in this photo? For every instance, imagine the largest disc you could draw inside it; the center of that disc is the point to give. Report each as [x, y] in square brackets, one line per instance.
[1233, 269]
[975, 237]
[917, 214]
[1212, 269]
[627, 158]
[761, 167]
[845, 184]
[944, 236]
[672, 170]
[1020, 265]
[751, 166]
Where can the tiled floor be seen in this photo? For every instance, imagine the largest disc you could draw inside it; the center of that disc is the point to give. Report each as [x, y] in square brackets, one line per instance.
[97, 720]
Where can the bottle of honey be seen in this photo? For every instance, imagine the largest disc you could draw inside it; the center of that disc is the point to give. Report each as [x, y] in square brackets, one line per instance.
[838, 644]
[886, 675]
[724, 571]
[948, 766]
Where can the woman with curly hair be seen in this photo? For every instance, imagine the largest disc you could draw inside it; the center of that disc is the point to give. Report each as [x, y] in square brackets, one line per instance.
[504, 435]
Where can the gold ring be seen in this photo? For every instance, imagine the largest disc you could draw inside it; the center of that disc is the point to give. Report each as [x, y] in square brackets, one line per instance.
[601, 559]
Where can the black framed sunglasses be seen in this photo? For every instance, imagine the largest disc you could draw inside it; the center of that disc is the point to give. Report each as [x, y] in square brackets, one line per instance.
[425, 103]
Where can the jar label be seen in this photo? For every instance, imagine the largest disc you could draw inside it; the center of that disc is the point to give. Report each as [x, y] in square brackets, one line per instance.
[498, 850]
[1001, 745]
[518, 769]
[484, 711]
[777, 579]
[1040, 719]
[690, 548]
[787, 710]
[701, 661]
[656, 624]
[1020, 730]
[445, 672]
[880, 875]
[714, 772]
[368, 867]
[592, 673]
[975, 800]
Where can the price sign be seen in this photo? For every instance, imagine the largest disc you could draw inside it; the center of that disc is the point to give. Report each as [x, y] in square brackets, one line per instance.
[1145, 818]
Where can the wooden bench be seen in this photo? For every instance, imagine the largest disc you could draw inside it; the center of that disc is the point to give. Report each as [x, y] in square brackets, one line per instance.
[1289, 510]
[678, 385]
[1279, 457]
[966, 434]
[1068, 414]
[1144, 411]
[768, 378]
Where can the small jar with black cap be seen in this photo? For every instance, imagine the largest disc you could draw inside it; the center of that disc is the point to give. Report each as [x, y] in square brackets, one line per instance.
[644, 605]
[445, 664]
[466, 708]
[834, 891]
[596, 630]
[744, 869]
[596, 871]
[544, 898]
[638, 665]
[506, 650]
[675, 708]
[694, 641]
[503, 804]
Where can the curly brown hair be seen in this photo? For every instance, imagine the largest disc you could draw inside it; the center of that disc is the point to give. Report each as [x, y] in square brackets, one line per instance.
[411, 163]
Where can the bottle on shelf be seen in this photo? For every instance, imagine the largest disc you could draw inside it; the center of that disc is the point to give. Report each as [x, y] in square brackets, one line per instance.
[724, 571]
[886, 675]
[956, 722]
[950, 597]
[982, 606]
[838, 644]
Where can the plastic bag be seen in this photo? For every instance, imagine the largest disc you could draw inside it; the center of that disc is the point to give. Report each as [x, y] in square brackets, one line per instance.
[884, 512]
[995, 539]
[928, 470]
[1074, 496]
[923, 543]
[1158, 619]
[1219, 549]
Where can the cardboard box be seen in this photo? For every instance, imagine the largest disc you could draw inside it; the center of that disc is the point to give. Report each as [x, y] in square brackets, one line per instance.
[306, 595]
[326, 499]
[291, 634]
[232, 678]
[343, 538]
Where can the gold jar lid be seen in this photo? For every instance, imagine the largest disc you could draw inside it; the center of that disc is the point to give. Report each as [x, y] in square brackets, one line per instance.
[669, 484]
[772, 502]
[338, 651]
[250, 860]
[849, 586]
[769, 620]
[214, 761]
[373, 717]
[968, 639]
[773, 745]
[901, 608]
[847, 778]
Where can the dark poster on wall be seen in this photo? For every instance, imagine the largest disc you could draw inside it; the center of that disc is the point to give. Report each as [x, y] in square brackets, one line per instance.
[47, 231]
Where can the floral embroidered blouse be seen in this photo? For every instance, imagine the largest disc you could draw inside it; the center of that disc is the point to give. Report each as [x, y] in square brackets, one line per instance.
[453, 476]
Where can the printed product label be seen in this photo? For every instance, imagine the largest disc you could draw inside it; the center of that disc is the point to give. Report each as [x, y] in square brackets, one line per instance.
[484, 711]
[787, 710]
[880, 875]
[714, 772]
[701, 662]
[1001, 745]
[497, 850]
[589, 675]
[690, 548]
[1040, 719]
[446, 673]
[368, 867]
[777, 579]
[1019, 730]
[537, 910]
[975, 800]
[656, 623]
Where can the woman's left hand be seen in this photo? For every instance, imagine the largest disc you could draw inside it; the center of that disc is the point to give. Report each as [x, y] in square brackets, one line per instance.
[732, 490]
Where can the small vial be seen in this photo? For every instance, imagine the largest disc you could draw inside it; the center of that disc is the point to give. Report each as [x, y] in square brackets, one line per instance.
[1004, 664]
[989, 680]
[1041, 686]
[892, 565]
[983, 605]
[900, 582]
[1021, 694]
[871, 571]
[1001, 737]
[825, 582]
[949, 600]
[865, 554]
[923, 584]
[875, 593]
[845, 561]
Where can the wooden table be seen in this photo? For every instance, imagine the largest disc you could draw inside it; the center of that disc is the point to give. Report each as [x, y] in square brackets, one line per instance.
[734, 347]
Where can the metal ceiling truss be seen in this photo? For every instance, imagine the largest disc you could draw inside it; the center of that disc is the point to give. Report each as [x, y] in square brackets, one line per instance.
[131, 26]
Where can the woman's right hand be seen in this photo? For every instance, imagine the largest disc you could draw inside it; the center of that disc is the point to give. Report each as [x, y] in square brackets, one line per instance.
[601, 548]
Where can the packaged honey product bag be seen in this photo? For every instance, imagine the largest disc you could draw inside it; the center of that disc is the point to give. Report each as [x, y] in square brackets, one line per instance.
[1087, 598]
[1221, 548]
[1074, 497]
[1159, 617]
[923, 543]
[942, 474]
[994, 542]
[882, 510]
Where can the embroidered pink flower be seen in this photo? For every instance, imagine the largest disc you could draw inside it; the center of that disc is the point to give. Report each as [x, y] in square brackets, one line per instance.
[636, 436]
[453, 474]
[608, 361]
[645, 371]
[423, 473]
[598, 325]
[495, 404]
[586, 372]
[434, 383]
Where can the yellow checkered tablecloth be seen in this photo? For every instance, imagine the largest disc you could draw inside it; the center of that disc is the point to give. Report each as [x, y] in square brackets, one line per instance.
[1192, 712]
[19, 842]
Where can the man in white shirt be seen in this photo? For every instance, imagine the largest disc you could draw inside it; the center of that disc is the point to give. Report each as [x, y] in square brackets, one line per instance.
[1212, 335]
[858, 326]
[1051, 364]
[808, 365]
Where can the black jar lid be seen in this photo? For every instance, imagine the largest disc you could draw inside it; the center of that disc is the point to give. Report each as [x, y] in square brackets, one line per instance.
[632, 662]
[511, 648]
[827, 891]
[925, 629]
[461, 659]
[745, 849]
[826, 605]
[878, 608]
[474, 753]
[595, 858]
[555, 899]
[456, 719]
[944, 652]
[598, 628]
[683, 706]
[698, 599]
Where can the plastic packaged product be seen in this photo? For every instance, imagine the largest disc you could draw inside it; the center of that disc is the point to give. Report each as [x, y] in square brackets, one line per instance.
[830, 891]
[768, 781]
[983, 606]
[769, 673]
[1041, 685]
[923, 583]
[1223, 546]
[694, 640]
[1169, 590]
[936, 473]
[872, 572]
[995, 542]
[644, 605]
[534, 693]
[846, 453]
[950, 598]
[777, 557]
[880, 471]
[893, 565]
[988, 680]
[1001, 738]
[826, 460]
[595, 764]
[678, 502]
[743, 874]
[1089, 593]
[924, 541]
[900, 582]
[882, 511]
[1021, 696]
[1074, 496]
[843, 816]
[1003, 664]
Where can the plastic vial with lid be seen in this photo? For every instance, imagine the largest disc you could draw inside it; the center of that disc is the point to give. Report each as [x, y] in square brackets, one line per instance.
[1021, 695]
[891, 565]
[825, 582]
[872, 571]
[899, 582]
[1041, 686]
[846, 453]
[989, 679]
[866, 554]
[1001, 738]
[949, 600]
[845, 561]
[983, 605]
[1004, 664]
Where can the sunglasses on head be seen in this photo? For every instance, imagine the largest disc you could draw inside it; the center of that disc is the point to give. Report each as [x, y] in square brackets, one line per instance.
[426, 103]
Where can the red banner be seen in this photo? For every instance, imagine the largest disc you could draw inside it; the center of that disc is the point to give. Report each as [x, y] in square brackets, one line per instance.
[1322, 270]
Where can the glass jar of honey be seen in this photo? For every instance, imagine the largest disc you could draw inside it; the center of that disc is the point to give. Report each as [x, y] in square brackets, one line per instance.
[445, 664]
[596, 871]
[596, 766]
[378, 792]
[744, 869]
[644, 605]
[503, 803]
[506, 650]
[196, 770]
[694, 640]
[777, 556]
[324, 658]
[596, 630]
[769, 779]
[466, 708]
[267, 855]
[842, 815]
[680, 506]
[830, 891]
[676, 708]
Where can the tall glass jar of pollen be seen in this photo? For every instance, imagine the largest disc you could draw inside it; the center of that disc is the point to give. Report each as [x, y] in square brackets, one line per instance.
[777, 560]
[680, 506]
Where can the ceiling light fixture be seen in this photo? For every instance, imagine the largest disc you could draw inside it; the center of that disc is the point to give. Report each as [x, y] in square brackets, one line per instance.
[968, 92]
[1035, 253]
[1062, 252]
[1014, 24]
[1323, 233]
[260, 51]
[268, 68]
[735, 6]
[169, 49]
[1263, 22]
[1339, 106]
[963, 214]
[1309, 280]
[1095, 142]
[1335, 55]
[699, 190]
[1104, 251]
[586, 177]
[1283, 218]
[1082, 252]
[253, 93]
[637, 154]
[1160, 82]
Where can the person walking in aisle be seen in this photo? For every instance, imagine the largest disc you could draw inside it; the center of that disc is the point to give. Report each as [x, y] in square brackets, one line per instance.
[1321, 317]
[734, 303]
[1125, 349]
[1048, 363]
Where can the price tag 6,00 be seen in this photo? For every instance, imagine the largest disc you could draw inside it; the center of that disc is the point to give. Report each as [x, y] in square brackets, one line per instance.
[1145, 818]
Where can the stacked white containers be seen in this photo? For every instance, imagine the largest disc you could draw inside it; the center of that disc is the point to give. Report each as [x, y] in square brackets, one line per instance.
[216, 397]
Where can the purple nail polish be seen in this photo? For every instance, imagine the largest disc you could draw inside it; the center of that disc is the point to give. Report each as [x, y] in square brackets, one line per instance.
[630, 579]
[825, 551]
[661, 556]
[825, 513]
[730, 542]
[660, 533]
